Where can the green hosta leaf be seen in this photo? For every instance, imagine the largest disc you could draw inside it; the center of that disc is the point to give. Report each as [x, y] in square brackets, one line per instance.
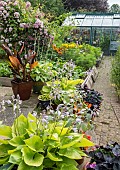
[71, 153]
[4, 150]
[67, 161]
[32, 158]
[84, 143]
[15, 157]
[35, 143]
[66, 142]
[17, 141]
[8, 166]
[53, 157]
[48, 163]
[52, 143]
[61, 131]
[3, 141]
[4, 160]
[23, 166]
[20, 125]
[32, 126]
[5, 131]
[54, 136]
[68, 167]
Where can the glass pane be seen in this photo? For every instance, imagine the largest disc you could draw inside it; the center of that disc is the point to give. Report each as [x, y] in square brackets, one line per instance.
[87, 22]
[97, 22]
[78, 22]
[116, 23]
[107, 22]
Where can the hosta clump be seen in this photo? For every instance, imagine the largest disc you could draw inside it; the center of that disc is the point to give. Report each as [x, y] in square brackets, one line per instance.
[42, 141]
[105, 157]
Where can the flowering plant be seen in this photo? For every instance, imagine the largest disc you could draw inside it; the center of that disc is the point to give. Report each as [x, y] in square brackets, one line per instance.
[43, 140]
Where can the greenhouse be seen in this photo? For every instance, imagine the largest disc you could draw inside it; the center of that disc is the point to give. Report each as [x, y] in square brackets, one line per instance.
[93, 28]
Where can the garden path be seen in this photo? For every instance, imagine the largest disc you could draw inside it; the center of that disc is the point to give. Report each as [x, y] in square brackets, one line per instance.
[108, 123]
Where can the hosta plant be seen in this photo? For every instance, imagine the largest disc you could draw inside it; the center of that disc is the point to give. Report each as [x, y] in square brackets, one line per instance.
[42, 141]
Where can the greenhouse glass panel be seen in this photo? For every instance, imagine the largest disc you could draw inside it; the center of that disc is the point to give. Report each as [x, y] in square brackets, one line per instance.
[97, 22]
[116, 22]
[107, 22]
[87, 22]
[78, 22]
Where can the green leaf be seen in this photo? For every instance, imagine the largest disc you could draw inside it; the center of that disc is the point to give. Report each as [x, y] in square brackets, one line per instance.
[15, 157]
[4, 160]
[32, 158]
[32, 126]
[67, 161]
[61, 131]
[23, 166]
[5, 131]
[53, 157]
[3, 141]
[68, 167]
[71, 153]
[4, 149]
[66, 142]
[84, 143]
[20, 125]
[48, 163]
[17, 141]
[35, 143]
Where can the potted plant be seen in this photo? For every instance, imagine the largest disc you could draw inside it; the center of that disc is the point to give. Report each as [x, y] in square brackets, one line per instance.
[105, 157]
[42, 141]
[41, 74]
[21, 66]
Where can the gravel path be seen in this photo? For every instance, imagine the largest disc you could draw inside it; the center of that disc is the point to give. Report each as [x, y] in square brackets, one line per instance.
[108, 123]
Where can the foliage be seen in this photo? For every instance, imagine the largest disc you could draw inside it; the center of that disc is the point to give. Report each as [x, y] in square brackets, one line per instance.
[115, 71]
[5, 71]
[105, 42]
[43, 72]
[83, 55]
[105, 157]
[115, 8]
[21, 66]
[89, 5]
[21, 22]
[42, 141]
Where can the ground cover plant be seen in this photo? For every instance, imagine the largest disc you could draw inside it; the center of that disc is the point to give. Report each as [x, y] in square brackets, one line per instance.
[5, 70]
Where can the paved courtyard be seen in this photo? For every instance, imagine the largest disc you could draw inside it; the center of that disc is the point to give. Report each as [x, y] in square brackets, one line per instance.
[107, 126]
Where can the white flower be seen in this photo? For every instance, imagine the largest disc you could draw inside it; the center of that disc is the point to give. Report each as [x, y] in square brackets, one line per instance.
[7, 40]
[16, 14]
[34, 113]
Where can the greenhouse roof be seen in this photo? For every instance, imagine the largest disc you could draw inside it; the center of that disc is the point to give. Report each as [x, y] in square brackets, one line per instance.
[93, 20]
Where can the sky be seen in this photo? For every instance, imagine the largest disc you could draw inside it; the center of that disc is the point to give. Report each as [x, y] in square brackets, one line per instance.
[111, 2]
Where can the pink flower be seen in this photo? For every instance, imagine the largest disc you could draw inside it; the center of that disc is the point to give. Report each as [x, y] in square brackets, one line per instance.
[2, 3]
[38, 23]
[1, 8]
[15, 3]
[10, 29]
[28, 4]
[16, 14]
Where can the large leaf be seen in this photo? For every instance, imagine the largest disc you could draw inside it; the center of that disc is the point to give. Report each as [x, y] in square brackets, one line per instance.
[53, 157]
[34, 65]
[4, 150]
[5, 131]
[84, 143]
[71, 153]
[20, 125]
[32, 158]
[4, 160]
[35, 143]
[67, 161]
[66, 142]
[32, 125]
[23, 166]
[14, 61]
[61, 131]
[3, 141]
[68, 167]
[17, 141]
[16, 157]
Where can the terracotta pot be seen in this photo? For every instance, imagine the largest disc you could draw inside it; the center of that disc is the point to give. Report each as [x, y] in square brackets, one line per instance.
[22, 88]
